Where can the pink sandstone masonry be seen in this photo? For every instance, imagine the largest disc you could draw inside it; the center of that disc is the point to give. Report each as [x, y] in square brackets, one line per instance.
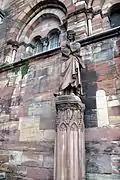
[27, 87]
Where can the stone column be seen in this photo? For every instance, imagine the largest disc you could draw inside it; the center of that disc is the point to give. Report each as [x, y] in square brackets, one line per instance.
[89, 18]
[70, 144]
[12, 47]
[15, 46]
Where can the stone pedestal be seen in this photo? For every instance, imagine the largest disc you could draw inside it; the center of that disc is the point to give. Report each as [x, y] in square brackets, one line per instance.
[70, 144]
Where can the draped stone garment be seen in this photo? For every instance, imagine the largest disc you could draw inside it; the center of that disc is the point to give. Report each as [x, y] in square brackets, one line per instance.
[71, 65]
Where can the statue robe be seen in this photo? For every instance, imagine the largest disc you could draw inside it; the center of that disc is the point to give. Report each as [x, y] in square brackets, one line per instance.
[71, 65]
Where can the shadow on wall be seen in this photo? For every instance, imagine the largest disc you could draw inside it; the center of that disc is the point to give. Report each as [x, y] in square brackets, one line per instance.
[89, 78]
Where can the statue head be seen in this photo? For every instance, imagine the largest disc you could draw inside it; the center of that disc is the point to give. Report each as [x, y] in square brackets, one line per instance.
[71, 35]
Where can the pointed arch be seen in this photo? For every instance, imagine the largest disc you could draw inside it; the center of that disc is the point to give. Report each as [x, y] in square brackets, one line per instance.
[74, 126]
[62, 127]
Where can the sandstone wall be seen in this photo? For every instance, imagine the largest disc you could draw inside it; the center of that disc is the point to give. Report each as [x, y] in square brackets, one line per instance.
[27, 107]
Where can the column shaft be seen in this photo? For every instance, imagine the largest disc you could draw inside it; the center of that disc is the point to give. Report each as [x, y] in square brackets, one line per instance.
[70, 149]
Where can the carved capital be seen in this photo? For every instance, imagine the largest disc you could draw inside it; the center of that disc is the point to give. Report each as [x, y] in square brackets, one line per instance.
[70, 112]
[90, 13]
[14, 44]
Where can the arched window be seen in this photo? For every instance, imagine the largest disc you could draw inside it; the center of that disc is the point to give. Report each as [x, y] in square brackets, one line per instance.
[46, 43]
[114, 15]
[38, 45]
[53, 39]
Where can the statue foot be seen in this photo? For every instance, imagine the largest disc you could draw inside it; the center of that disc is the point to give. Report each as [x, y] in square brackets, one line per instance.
[58, 94]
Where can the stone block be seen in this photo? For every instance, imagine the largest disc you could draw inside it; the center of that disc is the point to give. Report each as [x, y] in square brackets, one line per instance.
[15, 157]
[104, 134]
[49, 135]
[103, 55]
[48, 162]
[115, 161]
[4, 158]
[30, 129]
[47, 124]
[40, 173]
[32, 159]
[99, 164]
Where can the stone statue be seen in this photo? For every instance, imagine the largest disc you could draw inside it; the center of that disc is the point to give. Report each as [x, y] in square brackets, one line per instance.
[71, 66]
[70, 147]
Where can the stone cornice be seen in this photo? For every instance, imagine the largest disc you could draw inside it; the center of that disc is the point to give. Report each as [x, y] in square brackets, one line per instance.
[100, 36]
[7, 67]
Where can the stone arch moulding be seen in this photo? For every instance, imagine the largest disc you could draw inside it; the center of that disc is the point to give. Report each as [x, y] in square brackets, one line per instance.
[74, 126]
[107, 6]
[29, 16]
[52, 31]
[29, 28]
[114, 7]
[62, 127]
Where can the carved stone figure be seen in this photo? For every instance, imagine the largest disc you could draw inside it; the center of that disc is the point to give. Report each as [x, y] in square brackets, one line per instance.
[71, 66]
[70, 143]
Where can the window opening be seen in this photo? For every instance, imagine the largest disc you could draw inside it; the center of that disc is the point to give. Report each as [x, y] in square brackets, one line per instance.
[115, 16]
[54, 40]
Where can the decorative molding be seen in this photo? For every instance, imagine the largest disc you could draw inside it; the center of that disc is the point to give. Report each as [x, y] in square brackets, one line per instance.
[69, 112]
[100, 36]
[13, 43]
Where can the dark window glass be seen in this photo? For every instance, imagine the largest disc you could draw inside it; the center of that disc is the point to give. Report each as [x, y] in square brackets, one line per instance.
[38, 46]
[47, 43]
[54, 40]
[115, 19]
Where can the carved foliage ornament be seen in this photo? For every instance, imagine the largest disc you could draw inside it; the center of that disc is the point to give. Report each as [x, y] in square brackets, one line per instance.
[69, 116]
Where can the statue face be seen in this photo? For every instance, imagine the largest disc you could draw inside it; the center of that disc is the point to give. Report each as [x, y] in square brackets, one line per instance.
[71, 36]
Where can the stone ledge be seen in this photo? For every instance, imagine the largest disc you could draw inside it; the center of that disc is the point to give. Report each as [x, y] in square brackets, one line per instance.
[84, 42]
[7, 67]
[91, 176]
[69, 99]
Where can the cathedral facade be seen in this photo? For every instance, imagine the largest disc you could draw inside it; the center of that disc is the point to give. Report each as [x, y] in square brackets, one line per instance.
[35, 44]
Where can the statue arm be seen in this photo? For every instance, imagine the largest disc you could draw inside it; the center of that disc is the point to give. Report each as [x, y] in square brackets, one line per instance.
[75, 47]
[65, 50]
[75, 50]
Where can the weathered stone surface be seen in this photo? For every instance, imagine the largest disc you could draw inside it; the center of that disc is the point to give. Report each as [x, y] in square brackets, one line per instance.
[48, 162]
[70, 144]
[103, 152]
[27, 107]
[40, 173]
[100, 164]
[105, 134]
[102, 177]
